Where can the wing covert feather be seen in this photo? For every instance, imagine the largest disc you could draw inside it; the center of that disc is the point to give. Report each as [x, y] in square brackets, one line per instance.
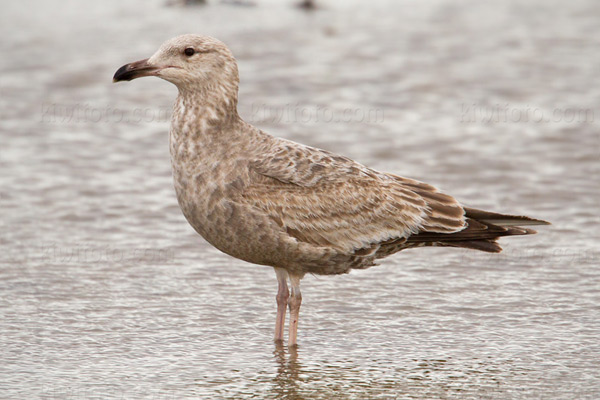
[329, 200]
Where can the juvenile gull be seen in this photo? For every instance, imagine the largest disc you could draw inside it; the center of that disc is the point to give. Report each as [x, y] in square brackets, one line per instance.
[296, 208]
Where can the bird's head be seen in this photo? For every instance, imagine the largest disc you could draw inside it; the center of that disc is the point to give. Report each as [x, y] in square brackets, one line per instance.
[191, 62]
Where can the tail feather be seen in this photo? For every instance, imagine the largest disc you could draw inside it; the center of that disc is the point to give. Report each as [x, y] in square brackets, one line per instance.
[489, 246]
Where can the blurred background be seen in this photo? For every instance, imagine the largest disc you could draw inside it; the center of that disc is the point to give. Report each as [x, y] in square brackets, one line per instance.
[107, 293]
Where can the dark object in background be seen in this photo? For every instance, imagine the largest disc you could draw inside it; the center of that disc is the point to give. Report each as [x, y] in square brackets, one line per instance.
[184, 3]
[307, 5]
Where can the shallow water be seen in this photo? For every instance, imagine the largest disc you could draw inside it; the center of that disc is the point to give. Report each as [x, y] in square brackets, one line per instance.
[107, 293]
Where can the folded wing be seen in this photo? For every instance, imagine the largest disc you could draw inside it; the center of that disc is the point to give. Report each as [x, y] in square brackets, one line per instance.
[328, 200]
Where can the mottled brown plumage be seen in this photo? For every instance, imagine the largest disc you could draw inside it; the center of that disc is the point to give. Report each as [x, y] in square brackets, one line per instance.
[299, 209]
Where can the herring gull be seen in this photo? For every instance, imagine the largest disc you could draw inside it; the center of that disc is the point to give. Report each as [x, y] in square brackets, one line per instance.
[296, 208]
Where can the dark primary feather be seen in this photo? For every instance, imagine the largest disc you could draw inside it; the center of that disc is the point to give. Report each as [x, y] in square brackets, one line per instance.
[482, 231]
[502, 219]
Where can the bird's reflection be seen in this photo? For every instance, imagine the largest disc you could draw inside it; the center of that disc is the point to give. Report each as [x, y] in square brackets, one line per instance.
[286, 382]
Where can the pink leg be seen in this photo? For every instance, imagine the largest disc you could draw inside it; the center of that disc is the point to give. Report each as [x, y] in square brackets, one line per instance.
[282, 301]
[295, 301]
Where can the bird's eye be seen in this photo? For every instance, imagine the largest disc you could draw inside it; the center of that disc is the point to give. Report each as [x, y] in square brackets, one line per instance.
[189, 51]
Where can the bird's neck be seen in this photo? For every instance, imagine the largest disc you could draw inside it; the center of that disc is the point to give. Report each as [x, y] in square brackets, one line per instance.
[217, 101]
[205, 124]
[204, 112]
